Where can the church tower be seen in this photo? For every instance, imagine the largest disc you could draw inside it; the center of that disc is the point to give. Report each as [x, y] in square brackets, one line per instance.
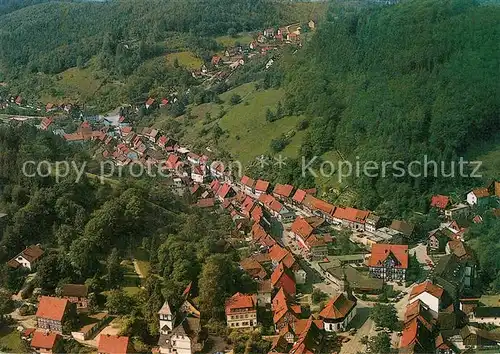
[167, 319]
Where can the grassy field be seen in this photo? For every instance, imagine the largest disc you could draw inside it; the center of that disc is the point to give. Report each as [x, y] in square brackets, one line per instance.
[228, 41]
[11, 342]
[185, 59]
[141, 256]
[247, 133]
[131, 280]
[78, 84]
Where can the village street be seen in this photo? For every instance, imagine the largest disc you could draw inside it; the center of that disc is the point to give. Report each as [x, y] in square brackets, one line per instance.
[420, 251]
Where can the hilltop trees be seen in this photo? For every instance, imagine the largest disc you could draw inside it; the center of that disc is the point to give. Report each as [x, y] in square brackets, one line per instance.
[433, 94]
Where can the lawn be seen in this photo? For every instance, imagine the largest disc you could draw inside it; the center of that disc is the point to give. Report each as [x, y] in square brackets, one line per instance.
[228, 41]
[248, 134]
[78, 84]
[185, 59]
[131, 281]
[141, 256]
[10, 341]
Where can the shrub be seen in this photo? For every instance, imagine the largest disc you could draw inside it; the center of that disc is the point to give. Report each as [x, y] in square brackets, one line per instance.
[279, 144]
[303, 124]
[235, 99]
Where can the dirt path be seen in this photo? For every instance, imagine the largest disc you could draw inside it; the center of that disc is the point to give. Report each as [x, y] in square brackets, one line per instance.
[138, 269]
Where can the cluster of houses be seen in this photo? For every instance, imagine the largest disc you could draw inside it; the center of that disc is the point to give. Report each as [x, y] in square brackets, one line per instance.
[437, 321]
[181, 332]
[441, 315]
[52, 315]
[266, 41]
[20, 102]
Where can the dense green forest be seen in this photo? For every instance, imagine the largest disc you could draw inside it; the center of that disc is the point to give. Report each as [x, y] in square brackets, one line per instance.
[88, 228]
[397, 83]
[53, 36]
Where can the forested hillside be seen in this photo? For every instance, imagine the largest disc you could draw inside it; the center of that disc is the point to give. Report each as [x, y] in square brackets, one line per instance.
[397, 83]
[90, 232]
[53, 36]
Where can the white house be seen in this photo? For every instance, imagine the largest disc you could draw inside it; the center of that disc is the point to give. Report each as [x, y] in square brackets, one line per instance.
[199, 173]
[183, 339]
[217, 169]
[26, 258]
[430, 294]
[474, 196]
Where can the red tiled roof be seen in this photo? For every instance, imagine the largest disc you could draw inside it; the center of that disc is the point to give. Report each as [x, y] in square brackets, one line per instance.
[409, 334]
[427, 286]
[28, 332]
[125, 130]
[224, 190]
[380, 252]
[302, 228]
[162, 140]
[247, 205]
[337, 308]
[351, 214]
[440, 201]
[481, 192]
[206, 203]
[215, 185]
[318, 204]
[417, 309]
[275, 205]
[111, 344]
[150, 101]
[279, 300]
[277, 253]
[247, 181]
[315, 241]
[266, 199]
[257, 213]
[311, 191]
[282, 277]
[43, 340]
[258, 232]
[254, 268]
[299, 195]
[284, 190]
[261, 185]
[51, 308]
[267, 240]
[172, 161]
[240, 301]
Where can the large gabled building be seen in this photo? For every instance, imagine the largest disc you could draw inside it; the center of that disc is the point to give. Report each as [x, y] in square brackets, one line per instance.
[389, 262]
[241, 311]
[51, 313]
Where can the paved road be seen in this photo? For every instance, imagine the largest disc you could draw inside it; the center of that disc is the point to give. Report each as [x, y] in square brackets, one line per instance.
[366, 328]
[421, 252]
